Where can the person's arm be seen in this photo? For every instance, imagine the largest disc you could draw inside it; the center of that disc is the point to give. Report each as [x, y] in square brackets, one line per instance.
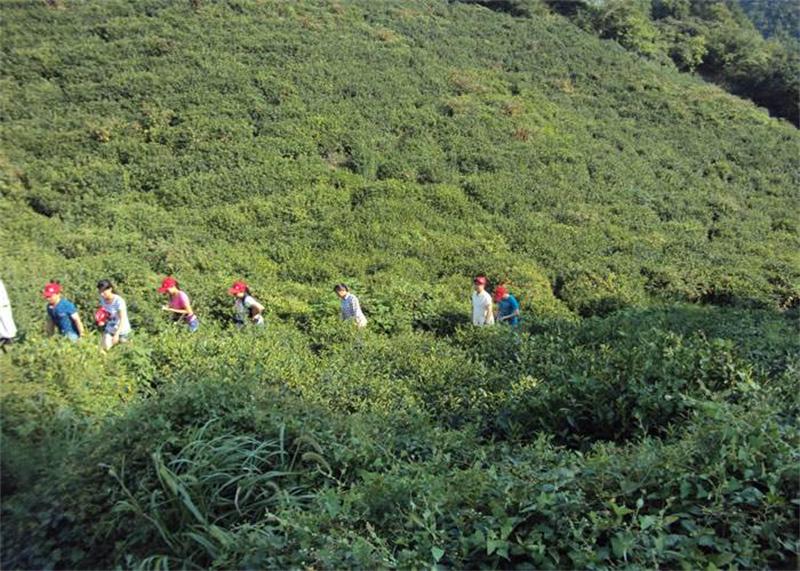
[487, 311]
[122, 315]
[356, 307]
[514, 313]
[49, 326]
[76, 319]
[511, 315]
[358, 315]
[178, 311]
[187, 307]
[255, 310]
[174, 310]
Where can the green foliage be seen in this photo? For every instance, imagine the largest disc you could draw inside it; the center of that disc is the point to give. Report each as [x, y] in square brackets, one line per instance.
[398, 487]
[713, 37]
[626, 21]
[643, 437]
[644, 415]
[773, 18]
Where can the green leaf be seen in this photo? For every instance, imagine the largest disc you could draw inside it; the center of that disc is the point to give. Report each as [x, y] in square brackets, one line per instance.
[437, 553]
[646, 521]
[621, 544]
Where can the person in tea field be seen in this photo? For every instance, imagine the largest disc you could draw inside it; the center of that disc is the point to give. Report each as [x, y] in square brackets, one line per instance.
[179, 304]
[112, 316]
[349, 306]
[246, 307]
[507, 306]
[8, 329]
[481, 304]
[61, 313]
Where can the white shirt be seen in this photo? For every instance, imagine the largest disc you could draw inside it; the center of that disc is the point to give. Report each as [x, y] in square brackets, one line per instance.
[7, 328]
[242, 307]
[482, 308]
[351, 309]
[115, 307]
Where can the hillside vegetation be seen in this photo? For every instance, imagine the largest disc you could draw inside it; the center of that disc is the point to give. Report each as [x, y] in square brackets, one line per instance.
[720, 39]
[774, 18]
[644, 416]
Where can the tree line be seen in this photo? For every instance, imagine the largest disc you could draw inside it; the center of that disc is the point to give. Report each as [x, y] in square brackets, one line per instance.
[719, 39]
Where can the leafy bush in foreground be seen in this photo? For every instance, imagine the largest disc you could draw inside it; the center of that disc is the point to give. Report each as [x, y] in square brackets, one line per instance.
[192, 482]
[412, 450]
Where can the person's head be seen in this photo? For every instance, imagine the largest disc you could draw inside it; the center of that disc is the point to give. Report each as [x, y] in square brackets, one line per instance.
[239, 289]
[169, 285]
[500, 292]
[105, 289]
[341, 290]
[52, 292]
[479, 283]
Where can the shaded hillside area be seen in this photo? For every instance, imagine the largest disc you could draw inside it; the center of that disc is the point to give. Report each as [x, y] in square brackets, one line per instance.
[720, 39]
[774, 18]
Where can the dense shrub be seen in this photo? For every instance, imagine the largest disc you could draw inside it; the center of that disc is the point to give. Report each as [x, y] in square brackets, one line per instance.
[231, 473]
[713, 37]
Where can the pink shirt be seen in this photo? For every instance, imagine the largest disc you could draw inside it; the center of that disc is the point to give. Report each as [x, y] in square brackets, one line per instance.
[181, 301]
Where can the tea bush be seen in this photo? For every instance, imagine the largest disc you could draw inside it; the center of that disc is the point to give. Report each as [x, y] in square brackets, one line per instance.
[232, 473]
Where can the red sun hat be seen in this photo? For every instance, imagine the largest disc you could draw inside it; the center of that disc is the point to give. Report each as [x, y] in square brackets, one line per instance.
[499, 292]
[51, 288]
[480, 280]
[101, 316]
[237, 287]
[166, 284]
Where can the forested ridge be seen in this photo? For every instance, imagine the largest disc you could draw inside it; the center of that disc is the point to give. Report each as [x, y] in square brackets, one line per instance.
[643, 415]
[773, 18]
[749, 47]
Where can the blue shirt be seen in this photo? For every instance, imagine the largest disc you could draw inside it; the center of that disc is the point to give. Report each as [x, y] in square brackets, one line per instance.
[60, 314]
[506, 307]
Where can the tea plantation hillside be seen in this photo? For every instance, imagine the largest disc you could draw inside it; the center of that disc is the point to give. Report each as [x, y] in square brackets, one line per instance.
[644, 415]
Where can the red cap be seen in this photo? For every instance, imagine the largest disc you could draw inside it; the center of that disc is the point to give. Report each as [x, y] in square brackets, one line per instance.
[51, 288]
[166, 284]
[499, 292]
[480, 280]
[101, 316]
[237, 287]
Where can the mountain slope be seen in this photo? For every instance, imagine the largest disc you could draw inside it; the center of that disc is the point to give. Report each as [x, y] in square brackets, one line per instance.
[644, 414]
[426, 142]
